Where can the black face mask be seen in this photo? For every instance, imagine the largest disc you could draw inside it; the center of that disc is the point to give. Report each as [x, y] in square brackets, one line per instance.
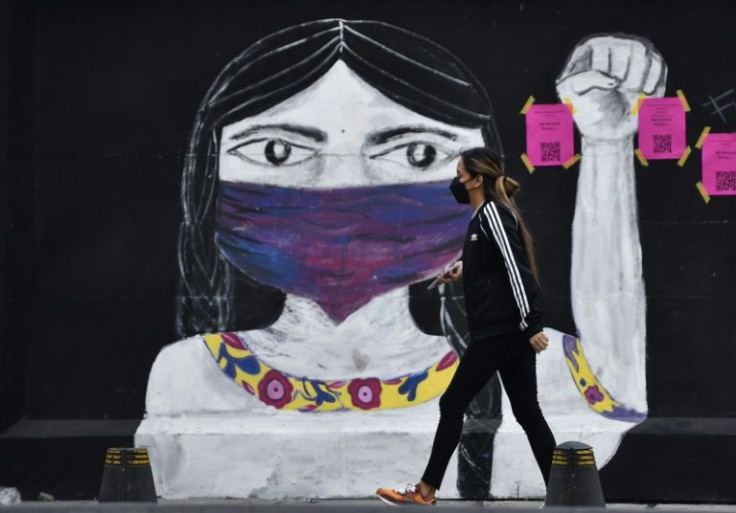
[459, 191]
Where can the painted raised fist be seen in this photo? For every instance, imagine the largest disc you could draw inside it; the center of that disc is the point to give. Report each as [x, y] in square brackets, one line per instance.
[604, 76]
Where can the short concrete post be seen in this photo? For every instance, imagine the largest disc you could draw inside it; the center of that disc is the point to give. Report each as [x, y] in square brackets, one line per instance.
[573, 479]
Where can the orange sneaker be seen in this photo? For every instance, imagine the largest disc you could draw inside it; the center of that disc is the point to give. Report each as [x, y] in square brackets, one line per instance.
[410, 495]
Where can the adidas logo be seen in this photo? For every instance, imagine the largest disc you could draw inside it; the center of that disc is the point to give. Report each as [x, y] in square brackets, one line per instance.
[473, 237]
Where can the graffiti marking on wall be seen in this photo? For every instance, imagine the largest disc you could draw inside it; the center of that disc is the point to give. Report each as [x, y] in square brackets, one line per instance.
[721, 103]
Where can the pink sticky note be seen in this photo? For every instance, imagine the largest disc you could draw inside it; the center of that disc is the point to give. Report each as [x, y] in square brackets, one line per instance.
[549, 137]
[662, 128]
[719, 164]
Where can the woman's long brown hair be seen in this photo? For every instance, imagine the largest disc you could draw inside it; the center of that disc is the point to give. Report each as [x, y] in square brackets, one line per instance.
[501, 189]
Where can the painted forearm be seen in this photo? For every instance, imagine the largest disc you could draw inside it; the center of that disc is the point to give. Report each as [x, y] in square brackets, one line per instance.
[606, 278]
[606, 248]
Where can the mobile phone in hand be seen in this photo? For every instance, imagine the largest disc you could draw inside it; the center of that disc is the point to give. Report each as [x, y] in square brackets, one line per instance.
[437, 279]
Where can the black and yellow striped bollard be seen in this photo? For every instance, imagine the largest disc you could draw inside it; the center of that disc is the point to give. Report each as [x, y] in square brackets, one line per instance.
[573, 478]
[127, 476]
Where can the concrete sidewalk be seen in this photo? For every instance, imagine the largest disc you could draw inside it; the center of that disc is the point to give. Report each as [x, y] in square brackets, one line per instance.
[334, 506]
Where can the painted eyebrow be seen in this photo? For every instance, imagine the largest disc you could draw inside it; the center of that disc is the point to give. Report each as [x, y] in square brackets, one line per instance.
[312, 133]
[386, 135]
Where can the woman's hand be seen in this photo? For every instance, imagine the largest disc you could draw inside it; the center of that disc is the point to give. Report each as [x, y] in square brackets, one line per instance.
[454, 273]
[539, 342]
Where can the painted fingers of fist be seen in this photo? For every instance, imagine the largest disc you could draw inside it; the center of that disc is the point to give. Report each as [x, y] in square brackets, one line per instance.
[605, 62]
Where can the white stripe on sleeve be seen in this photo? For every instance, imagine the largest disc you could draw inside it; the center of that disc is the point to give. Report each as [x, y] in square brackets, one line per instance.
[511, 261]
[497, 238]
[514, 276]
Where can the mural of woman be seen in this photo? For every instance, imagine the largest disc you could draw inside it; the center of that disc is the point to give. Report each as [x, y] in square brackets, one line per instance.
[316, 210]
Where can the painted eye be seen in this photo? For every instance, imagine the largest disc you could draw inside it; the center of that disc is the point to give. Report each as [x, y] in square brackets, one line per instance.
[273, 152]
[277, 152]
[416, 155]
[421, 155]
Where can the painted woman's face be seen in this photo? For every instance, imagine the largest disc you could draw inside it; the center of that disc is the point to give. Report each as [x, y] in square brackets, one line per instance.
[341, 132]
[320, 194]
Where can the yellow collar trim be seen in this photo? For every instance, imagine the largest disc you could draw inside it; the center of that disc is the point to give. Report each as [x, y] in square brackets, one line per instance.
[285, 391]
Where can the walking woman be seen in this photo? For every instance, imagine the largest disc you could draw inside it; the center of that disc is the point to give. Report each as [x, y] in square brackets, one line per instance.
[504, 309]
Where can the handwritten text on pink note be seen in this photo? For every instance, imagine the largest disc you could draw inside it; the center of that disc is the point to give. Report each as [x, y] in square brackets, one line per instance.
[662, 128]
[719, 164]
[549, 135]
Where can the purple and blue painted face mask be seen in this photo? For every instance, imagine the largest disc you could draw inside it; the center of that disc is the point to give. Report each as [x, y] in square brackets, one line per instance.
[339, 247]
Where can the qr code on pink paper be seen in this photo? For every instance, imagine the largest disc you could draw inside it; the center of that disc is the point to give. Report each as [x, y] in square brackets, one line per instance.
[662, 143]
[725, 181]
[550, 151]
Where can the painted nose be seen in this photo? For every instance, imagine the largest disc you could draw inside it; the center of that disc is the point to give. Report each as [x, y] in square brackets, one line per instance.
[342, 170]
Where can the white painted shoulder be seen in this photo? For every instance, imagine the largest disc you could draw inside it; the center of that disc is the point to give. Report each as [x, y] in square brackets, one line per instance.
[185, 379]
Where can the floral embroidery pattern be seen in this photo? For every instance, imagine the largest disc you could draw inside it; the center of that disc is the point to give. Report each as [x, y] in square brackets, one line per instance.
[282, 390]
[593, 395]
[409, 387]
[447, 361]
[274, 389]
[321, 393]
[248, 364]
[365, 393]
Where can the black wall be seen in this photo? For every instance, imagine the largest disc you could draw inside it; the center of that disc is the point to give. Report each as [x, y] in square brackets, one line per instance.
[4, 105]
[16, 201]
[96, 114]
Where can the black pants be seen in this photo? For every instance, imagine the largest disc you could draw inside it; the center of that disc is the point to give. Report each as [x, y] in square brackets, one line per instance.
[514, 358]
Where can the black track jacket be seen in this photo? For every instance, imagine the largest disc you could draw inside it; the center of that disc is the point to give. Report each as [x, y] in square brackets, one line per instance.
[501, 294]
